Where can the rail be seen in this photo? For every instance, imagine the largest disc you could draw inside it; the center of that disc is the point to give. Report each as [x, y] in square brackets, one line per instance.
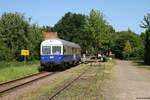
[67, 85]
[10, 85]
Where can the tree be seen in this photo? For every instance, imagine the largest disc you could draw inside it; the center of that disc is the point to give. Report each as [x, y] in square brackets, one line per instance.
[127, 49]
[136, 43]
[146, 25]
[16, 33]
[47, 28]
[4, 51]
[91, 32]
[35, 37]
[99, 31]
[71, 27]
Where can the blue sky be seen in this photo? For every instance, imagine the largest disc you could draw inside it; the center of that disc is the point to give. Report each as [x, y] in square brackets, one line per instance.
[122, 14]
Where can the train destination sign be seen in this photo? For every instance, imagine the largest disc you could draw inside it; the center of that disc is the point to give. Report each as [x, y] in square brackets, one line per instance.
[25, 52]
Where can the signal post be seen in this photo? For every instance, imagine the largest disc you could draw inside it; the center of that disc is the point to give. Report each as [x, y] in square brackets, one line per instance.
[25, 53]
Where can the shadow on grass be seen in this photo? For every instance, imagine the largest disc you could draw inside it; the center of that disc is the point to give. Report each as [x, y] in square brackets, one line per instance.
[140, 64]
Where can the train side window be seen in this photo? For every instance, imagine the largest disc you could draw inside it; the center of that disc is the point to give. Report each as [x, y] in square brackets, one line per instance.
[69, 51]
[64, 50]
[72, 50]
[56, 50]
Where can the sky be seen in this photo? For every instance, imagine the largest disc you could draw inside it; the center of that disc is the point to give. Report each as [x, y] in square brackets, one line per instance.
[121, 14]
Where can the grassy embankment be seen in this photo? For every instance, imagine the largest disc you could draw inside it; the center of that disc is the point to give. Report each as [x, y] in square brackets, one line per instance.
[88, 87]
[140, 64]
[13, 70]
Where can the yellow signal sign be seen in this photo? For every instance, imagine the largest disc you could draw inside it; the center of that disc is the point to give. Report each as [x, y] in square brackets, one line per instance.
[25, 52]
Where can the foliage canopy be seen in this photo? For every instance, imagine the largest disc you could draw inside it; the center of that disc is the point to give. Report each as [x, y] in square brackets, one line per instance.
[16, 33]
[146, 25]
[92, 32]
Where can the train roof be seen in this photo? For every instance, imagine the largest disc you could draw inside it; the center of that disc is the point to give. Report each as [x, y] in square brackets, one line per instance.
[58, 41]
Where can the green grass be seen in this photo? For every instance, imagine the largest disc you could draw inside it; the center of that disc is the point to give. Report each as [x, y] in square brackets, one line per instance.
[88, 87]
[13, 70]
[56, 81]
[141, 65]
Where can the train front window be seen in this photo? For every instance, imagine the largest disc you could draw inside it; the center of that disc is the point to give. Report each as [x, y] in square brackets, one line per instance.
[56, 50]
[46, 50]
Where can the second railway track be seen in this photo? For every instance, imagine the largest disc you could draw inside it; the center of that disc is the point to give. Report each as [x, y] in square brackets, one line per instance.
[66, 85]
[8, 86]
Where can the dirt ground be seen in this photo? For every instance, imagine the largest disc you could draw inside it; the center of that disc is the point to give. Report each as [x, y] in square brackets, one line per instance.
[127, 83]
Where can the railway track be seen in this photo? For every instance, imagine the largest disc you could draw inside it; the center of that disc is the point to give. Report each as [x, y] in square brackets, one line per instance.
[66, 85]
[14, 84]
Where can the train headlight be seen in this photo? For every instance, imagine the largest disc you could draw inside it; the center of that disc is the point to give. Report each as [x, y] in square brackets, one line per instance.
[51, 57]
[42, 58]
[59, 57]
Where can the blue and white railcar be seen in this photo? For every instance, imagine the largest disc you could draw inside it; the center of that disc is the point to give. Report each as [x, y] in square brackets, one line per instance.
[59, 52]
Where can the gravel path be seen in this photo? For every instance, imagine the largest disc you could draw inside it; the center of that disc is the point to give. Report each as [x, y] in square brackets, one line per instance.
[128, 83]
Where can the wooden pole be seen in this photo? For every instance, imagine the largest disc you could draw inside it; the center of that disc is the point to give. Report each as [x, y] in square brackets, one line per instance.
[24, 60]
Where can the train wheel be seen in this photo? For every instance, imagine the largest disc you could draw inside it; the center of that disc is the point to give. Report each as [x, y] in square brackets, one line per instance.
[63, 66]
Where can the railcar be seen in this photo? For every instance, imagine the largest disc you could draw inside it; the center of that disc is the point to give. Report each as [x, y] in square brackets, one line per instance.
[58, 53]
